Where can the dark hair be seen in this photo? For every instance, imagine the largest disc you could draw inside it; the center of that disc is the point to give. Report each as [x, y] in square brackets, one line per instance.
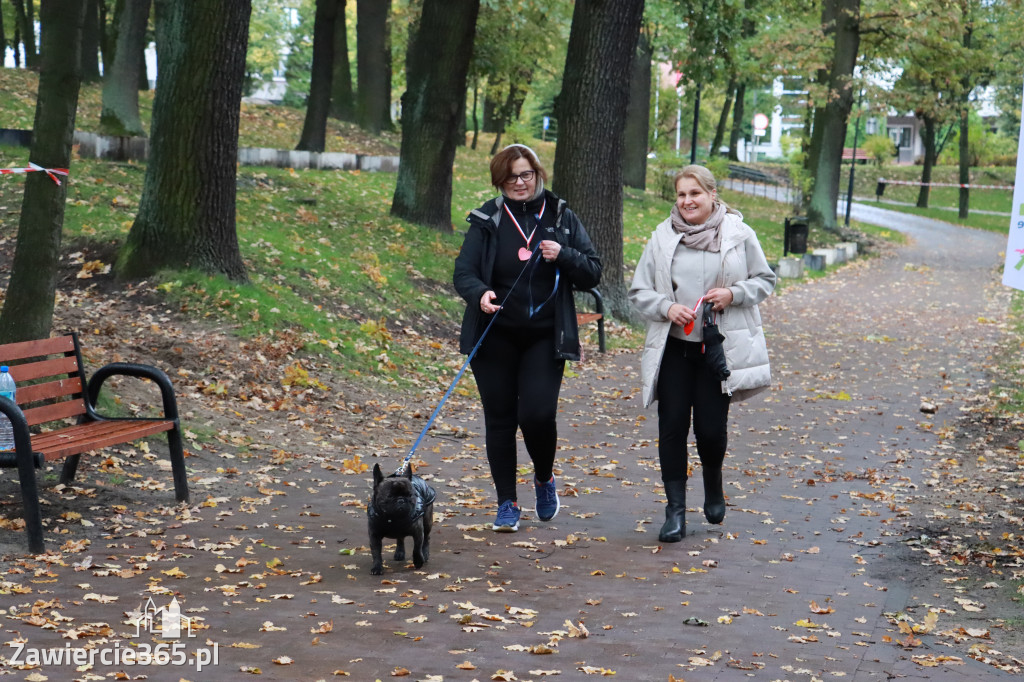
[501, 164]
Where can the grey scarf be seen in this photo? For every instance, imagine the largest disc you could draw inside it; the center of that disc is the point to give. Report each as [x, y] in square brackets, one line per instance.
[705, 237]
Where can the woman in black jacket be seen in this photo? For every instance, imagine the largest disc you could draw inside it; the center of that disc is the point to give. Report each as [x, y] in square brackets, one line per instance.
[523, 254]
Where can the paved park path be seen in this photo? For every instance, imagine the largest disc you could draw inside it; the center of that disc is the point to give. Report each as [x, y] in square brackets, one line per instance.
[803, 581]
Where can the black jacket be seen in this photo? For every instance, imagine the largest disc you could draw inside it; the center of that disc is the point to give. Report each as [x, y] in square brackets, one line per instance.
[577, 261]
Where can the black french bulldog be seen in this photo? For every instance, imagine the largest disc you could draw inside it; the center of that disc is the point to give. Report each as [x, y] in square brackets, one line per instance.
[400, 505]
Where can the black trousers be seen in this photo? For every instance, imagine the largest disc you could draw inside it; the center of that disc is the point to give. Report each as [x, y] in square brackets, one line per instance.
[687, 391]
[519, 380]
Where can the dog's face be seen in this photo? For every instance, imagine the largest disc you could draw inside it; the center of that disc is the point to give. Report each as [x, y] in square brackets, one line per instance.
[394, 497]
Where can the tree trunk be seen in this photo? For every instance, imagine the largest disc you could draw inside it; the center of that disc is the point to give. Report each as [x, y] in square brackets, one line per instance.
[638, 117]
[318, 104]
[26, 29]
[928, 138]
[91, 43]
[492, 110]
[143, 83]
[591, 113]
[723, 119]
[108, 33]
[28, 304]
[736, 134]
[3, 38]
[436, 68]
[186, 215]
[476, 120]
[120, 114]
[343, 103]
[840, 20]
[695, 129]
[373, 65]
[965, 150]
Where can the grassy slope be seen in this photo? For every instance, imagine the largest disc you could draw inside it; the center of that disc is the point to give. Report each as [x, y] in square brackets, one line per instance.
[327, 262]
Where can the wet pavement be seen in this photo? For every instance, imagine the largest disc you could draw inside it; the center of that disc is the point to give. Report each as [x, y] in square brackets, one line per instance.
[803, 581]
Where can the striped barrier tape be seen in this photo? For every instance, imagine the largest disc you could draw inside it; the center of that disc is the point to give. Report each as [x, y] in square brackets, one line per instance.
[942, 184]
[52, 172]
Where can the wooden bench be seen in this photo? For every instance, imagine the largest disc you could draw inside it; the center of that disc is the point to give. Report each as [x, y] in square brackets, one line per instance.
[862, 155]
[51, 388]
[596, 316]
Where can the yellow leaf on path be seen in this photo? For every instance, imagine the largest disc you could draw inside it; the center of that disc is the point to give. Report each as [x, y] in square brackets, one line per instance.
[466, 665]
[175, 573]
[283, 660]
[929, 623]
[804, 623]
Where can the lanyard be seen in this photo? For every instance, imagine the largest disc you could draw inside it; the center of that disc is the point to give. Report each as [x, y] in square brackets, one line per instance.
[525, 253]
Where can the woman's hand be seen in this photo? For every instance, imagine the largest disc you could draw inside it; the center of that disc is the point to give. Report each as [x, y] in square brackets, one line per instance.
[680, 314]
[549, 250]
[719, 298]
[487, 302]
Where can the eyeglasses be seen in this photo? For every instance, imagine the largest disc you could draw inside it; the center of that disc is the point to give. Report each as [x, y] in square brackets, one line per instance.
[525, 176]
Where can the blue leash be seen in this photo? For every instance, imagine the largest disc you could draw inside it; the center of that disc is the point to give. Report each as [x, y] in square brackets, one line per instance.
[426, 427]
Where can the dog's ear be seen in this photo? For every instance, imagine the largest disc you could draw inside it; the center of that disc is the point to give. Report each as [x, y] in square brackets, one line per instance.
[377, 475]
[408, 471]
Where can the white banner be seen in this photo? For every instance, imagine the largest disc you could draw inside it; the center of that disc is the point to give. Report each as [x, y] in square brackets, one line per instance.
[1013, 270]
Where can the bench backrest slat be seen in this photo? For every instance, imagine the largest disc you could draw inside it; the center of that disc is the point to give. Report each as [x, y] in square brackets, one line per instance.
[32, 349]
[43, 369]
[53, 412]
[49, 388]
[63, 387]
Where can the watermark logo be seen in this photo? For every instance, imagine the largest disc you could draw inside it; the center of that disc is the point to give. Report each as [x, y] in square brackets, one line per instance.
[164, 622]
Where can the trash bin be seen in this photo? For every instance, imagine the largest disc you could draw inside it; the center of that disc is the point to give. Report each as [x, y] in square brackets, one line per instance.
[794, 238]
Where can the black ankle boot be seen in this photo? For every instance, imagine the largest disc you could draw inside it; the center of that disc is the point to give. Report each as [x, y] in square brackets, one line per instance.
[674, 529]
[714, 498]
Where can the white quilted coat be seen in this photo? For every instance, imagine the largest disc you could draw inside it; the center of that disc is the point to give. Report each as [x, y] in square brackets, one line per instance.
[744, 270]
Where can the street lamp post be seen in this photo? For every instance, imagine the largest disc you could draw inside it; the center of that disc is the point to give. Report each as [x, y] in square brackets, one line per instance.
[853, 158]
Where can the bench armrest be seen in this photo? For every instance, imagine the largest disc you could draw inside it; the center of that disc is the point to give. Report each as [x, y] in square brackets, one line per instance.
[598, 299]
[156, 375]
[22, 441]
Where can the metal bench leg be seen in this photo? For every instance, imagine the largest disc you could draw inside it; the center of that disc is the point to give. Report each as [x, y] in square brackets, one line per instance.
[600, 334]
[70, 468]
[30, 500]
[177, 455]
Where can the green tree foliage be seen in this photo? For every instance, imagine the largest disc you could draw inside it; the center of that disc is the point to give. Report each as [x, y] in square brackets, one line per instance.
[299, 62]
[517, 46]
[270, 33]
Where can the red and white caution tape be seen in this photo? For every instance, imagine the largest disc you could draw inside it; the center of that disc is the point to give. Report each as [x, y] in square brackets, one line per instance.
[942, 184]
[52, 172]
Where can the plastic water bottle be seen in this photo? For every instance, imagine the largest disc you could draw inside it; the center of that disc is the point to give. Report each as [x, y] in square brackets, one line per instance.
[7, 390]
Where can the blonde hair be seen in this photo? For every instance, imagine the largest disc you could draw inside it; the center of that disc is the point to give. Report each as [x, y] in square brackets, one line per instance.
[706, 179]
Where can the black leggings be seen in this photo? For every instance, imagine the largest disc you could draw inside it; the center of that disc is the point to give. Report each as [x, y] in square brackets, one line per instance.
[519, 380]
[685, 387]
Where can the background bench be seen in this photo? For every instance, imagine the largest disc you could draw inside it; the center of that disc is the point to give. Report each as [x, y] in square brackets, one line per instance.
[52, 388]
[596, 316]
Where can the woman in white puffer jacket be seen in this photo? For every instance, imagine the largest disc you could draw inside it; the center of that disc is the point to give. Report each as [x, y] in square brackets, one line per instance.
[703, 252]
